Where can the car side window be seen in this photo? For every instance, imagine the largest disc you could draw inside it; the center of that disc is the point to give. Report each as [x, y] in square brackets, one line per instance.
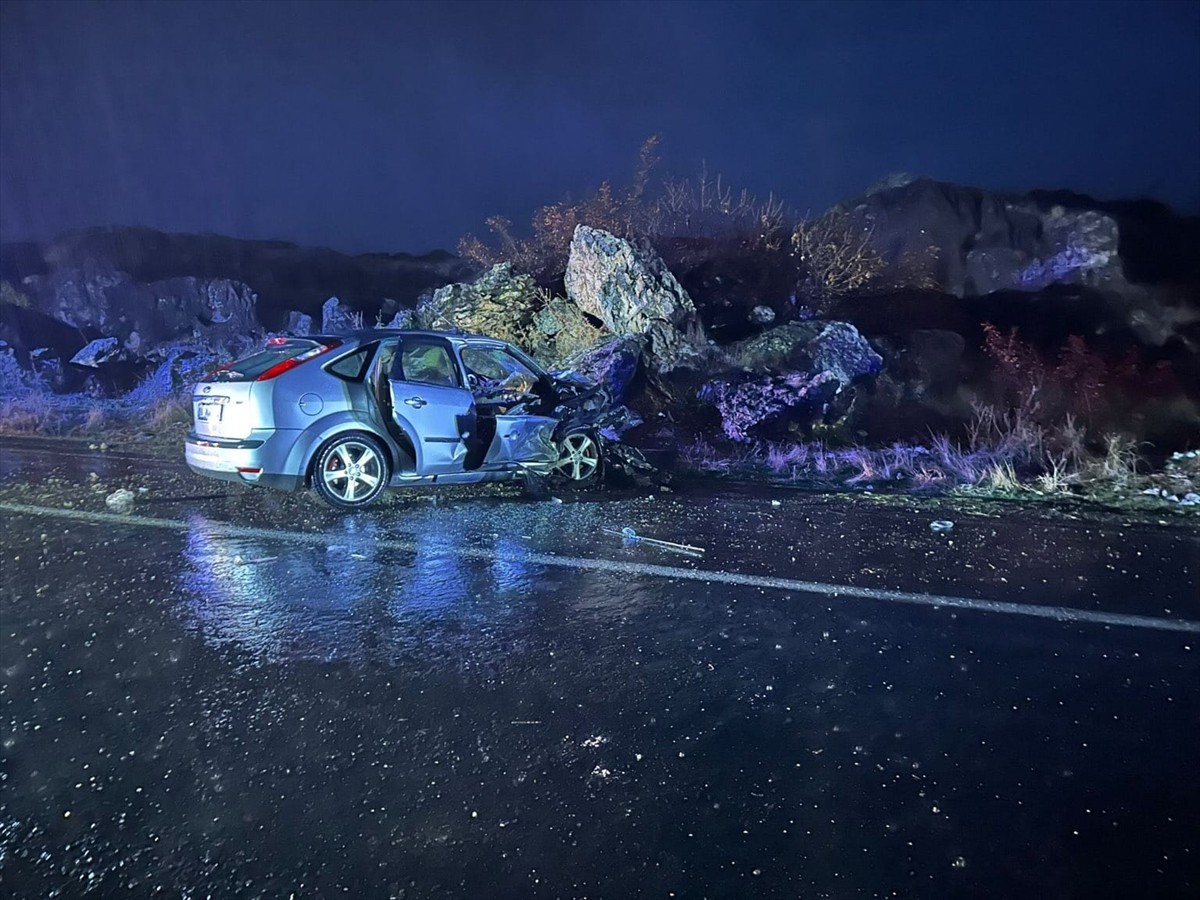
[425, 362]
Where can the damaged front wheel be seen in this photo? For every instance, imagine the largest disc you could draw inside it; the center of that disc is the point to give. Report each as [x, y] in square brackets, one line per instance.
[578, 460]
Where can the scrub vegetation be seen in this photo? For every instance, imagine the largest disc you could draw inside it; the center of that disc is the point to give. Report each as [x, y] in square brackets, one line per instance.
[158, 407]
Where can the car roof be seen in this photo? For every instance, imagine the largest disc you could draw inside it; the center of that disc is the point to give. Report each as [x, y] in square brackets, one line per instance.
[366, 335]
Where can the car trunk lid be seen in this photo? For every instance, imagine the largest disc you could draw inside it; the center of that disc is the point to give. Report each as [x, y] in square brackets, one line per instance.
[236, 399]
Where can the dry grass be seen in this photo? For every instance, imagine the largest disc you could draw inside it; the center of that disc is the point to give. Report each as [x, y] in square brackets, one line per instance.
[1002, 470]
[704, 208]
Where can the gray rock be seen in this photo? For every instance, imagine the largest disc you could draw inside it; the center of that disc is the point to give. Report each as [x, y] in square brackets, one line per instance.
[82, 297]
[625, 288]
[299, 324]
[337, 317]
[498, 303]
[612, 363]
[840, 350]
[97, 352]
[813, 346]
[145, 316]
[970, 242]
[120, 500]
[404, 318]
[762, 315]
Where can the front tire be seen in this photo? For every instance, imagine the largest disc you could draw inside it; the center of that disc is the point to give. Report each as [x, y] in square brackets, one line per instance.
[351, 471]
[579, 463]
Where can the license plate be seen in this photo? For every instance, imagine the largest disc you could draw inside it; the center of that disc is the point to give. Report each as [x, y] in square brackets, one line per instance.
[208, 412]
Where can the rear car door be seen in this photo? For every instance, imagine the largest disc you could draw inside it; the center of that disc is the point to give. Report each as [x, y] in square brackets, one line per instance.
[430, 401]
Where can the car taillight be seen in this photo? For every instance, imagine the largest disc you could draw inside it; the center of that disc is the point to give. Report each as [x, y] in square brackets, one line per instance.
[280, 367]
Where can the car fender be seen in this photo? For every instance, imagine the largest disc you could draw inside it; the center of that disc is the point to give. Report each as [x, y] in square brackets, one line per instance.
[310, 440]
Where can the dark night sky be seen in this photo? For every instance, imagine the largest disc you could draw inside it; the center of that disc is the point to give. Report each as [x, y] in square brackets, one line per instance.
[399, 126]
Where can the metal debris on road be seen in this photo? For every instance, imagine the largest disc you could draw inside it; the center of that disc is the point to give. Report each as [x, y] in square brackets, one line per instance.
[630, 535]
[242, 561]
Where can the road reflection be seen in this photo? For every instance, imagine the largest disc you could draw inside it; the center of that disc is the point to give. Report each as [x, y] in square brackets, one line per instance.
[351, 600]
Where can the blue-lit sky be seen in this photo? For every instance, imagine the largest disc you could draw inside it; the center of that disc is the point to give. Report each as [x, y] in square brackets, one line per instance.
[400, 126]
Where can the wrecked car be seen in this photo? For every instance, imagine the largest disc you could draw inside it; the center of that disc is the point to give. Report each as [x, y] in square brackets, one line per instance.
[353, 415]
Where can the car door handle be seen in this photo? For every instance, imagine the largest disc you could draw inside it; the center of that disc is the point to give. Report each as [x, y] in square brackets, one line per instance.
[416, 402]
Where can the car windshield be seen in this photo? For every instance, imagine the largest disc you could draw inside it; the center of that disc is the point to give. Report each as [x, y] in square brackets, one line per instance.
[495, 364]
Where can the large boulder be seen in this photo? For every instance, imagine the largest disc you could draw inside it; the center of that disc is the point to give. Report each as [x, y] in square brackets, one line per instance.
[797, 375]
[814, 346]
[925, 387]
[337, 317]
[299, 324]
[747, 404]
[632, 292]
[613, 363]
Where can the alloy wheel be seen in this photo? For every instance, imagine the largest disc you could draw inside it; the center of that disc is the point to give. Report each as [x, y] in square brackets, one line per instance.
[579, 457]
[352, 472]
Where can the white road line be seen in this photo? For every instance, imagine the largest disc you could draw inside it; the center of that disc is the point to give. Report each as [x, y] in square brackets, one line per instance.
[1055, 613]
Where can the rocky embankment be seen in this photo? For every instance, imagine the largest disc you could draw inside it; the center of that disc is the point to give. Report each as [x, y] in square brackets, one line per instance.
[731, 338]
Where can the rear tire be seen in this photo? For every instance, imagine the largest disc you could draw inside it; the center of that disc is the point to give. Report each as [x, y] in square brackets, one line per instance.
[351, 471]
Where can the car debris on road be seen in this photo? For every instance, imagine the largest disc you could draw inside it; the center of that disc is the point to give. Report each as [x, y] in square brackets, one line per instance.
[631, 536]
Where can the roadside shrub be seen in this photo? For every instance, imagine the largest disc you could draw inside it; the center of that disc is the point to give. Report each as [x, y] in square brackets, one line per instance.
[544, 254]
[161, 399]
[684, 220]
[1040, 391]
[1072, 395]
[836, 257]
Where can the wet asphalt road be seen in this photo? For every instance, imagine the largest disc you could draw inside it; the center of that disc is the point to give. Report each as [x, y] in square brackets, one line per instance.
[242, 694]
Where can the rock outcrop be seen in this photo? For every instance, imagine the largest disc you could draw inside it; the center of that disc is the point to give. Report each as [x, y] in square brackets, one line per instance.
[971, 242]
[283, 276]
[337, 317]
[146, 314]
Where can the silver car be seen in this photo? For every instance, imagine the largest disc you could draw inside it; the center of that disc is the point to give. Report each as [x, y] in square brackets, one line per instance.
[352, 415]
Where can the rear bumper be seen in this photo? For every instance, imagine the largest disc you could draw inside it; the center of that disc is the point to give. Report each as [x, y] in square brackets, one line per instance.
[256, 460]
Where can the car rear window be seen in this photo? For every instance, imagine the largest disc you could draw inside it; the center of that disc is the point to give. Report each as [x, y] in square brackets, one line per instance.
[256, 365]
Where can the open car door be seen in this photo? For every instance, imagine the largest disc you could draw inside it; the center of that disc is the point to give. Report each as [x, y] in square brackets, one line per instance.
[431, 402]
[509, 406]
